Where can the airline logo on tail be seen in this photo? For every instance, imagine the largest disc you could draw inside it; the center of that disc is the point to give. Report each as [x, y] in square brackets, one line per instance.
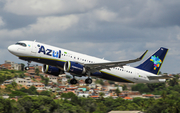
[157, 62]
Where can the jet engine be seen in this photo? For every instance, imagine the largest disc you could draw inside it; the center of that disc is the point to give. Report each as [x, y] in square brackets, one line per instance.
[74, 67]
[51, 70]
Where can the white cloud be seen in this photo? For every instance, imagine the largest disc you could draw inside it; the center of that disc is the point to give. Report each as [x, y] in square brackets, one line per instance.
[42, 26]
[44, 7]
[1, 22]
[52, 24]
[105, 15]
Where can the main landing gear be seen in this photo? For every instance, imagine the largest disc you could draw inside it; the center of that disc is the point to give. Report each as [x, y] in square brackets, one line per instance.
[27, 67]
[87, 81]
[73, 81]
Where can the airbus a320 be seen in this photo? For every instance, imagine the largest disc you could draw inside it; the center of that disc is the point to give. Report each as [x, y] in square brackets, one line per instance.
[57, 61]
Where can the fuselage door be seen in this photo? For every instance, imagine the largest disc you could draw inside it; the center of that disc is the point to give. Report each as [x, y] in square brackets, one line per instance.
[34, 48]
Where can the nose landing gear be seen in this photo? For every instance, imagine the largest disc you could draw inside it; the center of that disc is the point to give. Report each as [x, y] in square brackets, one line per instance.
[27, 67]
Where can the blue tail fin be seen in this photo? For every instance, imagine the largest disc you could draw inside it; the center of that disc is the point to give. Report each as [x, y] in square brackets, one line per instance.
[154, 62]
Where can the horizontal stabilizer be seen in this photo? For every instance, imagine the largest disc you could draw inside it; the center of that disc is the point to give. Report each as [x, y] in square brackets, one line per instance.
[159, 77]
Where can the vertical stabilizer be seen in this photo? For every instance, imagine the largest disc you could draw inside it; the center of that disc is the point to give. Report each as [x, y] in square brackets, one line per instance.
[154, 62]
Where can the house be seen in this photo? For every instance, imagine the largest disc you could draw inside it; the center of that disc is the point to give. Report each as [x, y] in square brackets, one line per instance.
[11, 65]
[70, 89]
[94, 96]
[38, 78]
[81, 83]
[21, 81]
[52, 78]
[149, 95]
[6, 82]
[2, 86]
[28, 79]
[112, 88]
[99, 86]
[31, 69]
[62, 80]
[62, 88]
[6, 66]
[82, 89]
[83, 95]
[128, 98]
[92, 85]
[39, 86]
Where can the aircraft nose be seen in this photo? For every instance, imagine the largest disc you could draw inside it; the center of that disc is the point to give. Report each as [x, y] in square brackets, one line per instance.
[12, 49]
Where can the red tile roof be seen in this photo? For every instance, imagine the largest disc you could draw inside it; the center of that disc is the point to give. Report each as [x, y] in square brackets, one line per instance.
[148, 95]
[128, 98]
[94, 96]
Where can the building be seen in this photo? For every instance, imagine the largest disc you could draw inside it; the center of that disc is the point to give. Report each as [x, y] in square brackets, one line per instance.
[53, 78]
[11, 65]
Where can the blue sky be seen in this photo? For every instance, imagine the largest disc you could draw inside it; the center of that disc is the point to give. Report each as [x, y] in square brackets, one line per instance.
[115, 30]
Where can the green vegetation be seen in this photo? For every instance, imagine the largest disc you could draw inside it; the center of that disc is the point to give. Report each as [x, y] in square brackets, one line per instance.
[44, 80]
[99, 81]
[70, 103]
[9, 74]
[45, 102]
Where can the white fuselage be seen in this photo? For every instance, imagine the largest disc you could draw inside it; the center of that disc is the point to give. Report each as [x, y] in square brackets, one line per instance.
[35, 51]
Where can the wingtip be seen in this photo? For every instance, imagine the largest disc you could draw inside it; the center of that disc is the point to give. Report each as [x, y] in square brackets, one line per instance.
[142, 56]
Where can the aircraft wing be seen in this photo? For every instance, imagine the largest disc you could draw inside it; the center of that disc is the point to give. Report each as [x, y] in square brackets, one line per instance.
[159, 77]
[107, 65]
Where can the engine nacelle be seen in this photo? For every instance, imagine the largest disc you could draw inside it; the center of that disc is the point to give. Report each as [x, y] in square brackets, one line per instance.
[74, 67]
[51, 70]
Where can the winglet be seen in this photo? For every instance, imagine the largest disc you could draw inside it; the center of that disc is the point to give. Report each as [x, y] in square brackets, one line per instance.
[142, 56]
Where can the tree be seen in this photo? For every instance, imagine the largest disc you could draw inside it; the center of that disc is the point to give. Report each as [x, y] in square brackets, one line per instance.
[117, 91]
[9, 87]
[5, 105]
[37, 71]
[17, 93]
[101, 94]
[47, 93]
[174, 81]
[124, 87]
[68, 95]
[14, 84]
[142, 88]
[46, 81]
[32, 90]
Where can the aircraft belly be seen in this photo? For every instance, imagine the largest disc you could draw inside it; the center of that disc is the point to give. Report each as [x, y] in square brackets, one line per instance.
[47, 61]
[116, 76]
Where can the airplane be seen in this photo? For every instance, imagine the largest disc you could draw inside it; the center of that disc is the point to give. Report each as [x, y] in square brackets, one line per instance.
[57, 61]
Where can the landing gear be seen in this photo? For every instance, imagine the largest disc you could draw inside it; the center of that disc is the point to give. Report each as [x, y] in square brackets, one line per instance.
[73, 81]
[27, 67]
[88, 81]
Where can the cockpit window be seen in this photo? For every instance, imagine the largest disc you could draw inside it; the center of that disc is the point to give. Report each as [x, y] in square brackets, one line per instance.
[22, 44]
